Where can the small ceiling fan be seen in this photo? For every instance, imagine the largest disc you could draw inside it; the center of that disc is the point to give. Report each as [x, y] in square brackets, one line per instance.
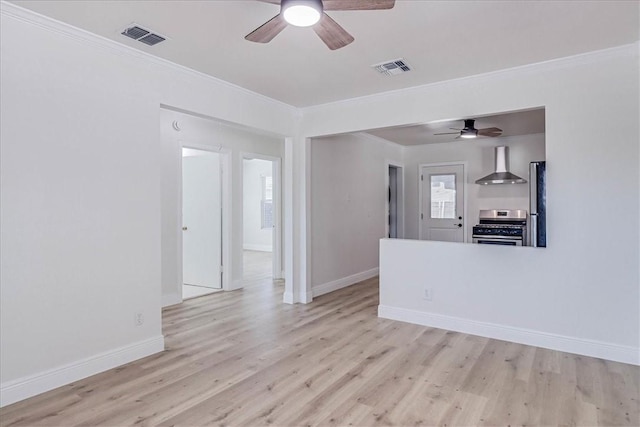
[307, 13]
[469, 131]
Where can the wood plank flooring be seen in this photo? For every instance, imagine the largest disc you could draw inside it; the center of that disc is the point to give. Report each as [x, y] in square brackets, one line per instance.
[256, 265]
[245, 359]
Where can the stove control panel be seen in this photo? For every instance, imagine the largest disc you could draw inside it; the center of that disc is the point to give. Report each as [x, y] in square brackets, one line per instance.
[505, 230]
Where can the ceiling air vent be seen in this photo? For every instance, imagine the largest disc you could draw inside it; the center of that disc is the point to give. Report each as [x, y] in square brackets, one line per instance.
[142, 35]
[391, 68]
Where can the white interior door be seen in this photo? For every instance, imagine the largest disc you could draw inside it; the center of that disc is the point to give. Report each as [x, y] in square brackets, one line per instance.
[442, 213]
[201, 219]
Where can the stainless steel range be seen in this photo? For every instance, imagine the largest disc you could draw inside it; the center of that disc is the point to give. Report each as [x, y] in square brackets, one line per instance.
[501, 227]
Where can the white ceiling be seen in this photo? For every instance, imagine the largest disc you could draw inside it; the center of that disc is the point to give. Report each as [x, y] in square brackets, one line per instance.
[512, 124]
[441, 40]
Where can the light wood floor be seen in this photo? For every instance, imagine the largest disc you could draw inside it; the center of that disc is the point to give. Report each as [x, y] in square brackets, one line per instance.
[190, 291]
[244, 358]
[257, 265]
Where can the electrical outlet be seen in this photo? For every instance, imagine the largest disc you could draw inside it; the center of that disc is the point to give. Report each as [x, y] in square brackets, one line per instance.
[139, 319]
[428, 294]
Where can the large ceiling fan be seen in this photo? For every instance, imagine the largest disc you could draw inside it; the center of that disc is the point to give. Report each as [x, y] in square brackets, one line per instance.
[469, 131]
[307, 13]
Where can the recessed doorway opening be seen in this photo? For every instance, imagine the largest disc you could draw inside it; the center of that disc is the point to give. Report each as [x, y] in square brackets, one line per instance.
[394, 202]
[261, 219]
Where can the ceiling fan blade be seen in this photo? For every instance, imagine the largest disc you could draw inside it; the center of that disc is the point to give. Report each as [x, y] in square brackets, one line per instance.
[331, 33]
[447, 133]
[493, 132]
[358, 4]
[267, 31]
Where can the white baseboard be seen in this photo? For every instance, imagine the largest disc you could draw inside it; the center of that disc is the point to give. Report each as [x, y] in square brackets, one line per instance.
[325, 288]
[235, 285]
[261, 248]
[599, 349]
[171, 299]
[288, 298]
[23, 388]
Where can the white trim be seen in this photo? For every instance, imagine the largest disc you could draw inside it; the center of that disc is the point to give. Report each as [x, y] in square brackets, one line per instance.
[306, 215]
[287, 298]
[599, 349]
[465, 168]
[235, 285]
[506, 73]
[334, 285]
[170, 299]
[84, 36]
[261, 248]
[288, 235]
[23, 388]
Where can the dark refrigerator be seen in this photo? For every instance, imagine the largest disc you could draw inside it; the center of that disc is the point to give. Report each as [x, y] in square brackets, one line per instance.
[538, 204]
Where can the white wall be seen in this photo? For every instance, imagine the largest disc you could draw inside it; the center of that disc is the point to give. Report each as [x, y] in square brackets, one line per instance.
[585, 284]
[81, 246]
[203, 133]
[81, 196]
[347, 208]
[479, 155]
[254, 236]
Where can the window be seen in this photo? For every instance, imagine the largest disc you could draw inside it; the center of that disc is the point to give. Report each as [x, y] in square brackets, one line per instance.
[266, 205]
[443, 196]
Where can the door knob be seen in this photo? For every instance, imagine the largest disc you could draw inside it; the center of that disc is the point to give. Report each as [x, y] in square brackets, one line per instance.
[459, 225]
[184, 228]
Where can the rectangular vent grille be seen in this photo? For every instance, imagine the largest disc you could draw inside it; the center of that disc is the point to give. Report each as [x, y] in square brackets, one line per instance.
[151, 39]
[142, 35]
[391, 68]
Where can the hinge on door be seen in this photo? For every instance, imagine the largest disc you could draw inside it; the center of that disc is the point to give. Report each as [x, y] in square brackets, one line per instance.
[421, 177]
[421, 216]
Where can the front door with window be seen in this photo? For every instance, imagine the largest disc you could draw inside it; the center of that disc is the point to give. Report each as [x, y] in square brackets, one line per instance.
[442, 210]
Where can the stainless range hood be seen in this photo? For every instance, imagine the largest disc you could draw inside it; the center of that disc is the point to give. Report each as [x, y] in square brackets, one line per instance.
[501, 174]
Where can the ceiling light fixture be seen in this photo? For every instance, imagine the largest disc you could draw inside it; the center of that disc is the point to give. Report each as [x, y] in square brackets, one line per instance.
[469, 130]
[301, 13]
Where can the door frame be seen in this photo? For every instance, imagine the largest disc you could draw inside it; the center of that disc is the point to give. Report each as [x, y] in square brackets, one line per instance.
[465, 167]
[400, 202]
[277, 268]
[225, 169]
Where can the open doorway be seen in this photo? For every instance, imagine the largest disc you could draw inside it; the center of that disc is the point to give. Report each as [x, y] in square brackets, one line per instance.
[261, 218]
[201, 223]
[394, 201]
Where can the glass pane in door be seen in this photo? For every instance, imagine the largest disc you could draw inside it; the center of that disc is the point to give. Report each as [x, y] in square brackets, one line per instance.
[443, 196]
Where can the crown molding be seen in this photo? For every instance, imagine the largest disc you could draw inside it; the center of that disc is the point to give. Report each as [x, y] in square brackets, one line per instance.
[47, 23]
[627, 50]
[30, 17]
